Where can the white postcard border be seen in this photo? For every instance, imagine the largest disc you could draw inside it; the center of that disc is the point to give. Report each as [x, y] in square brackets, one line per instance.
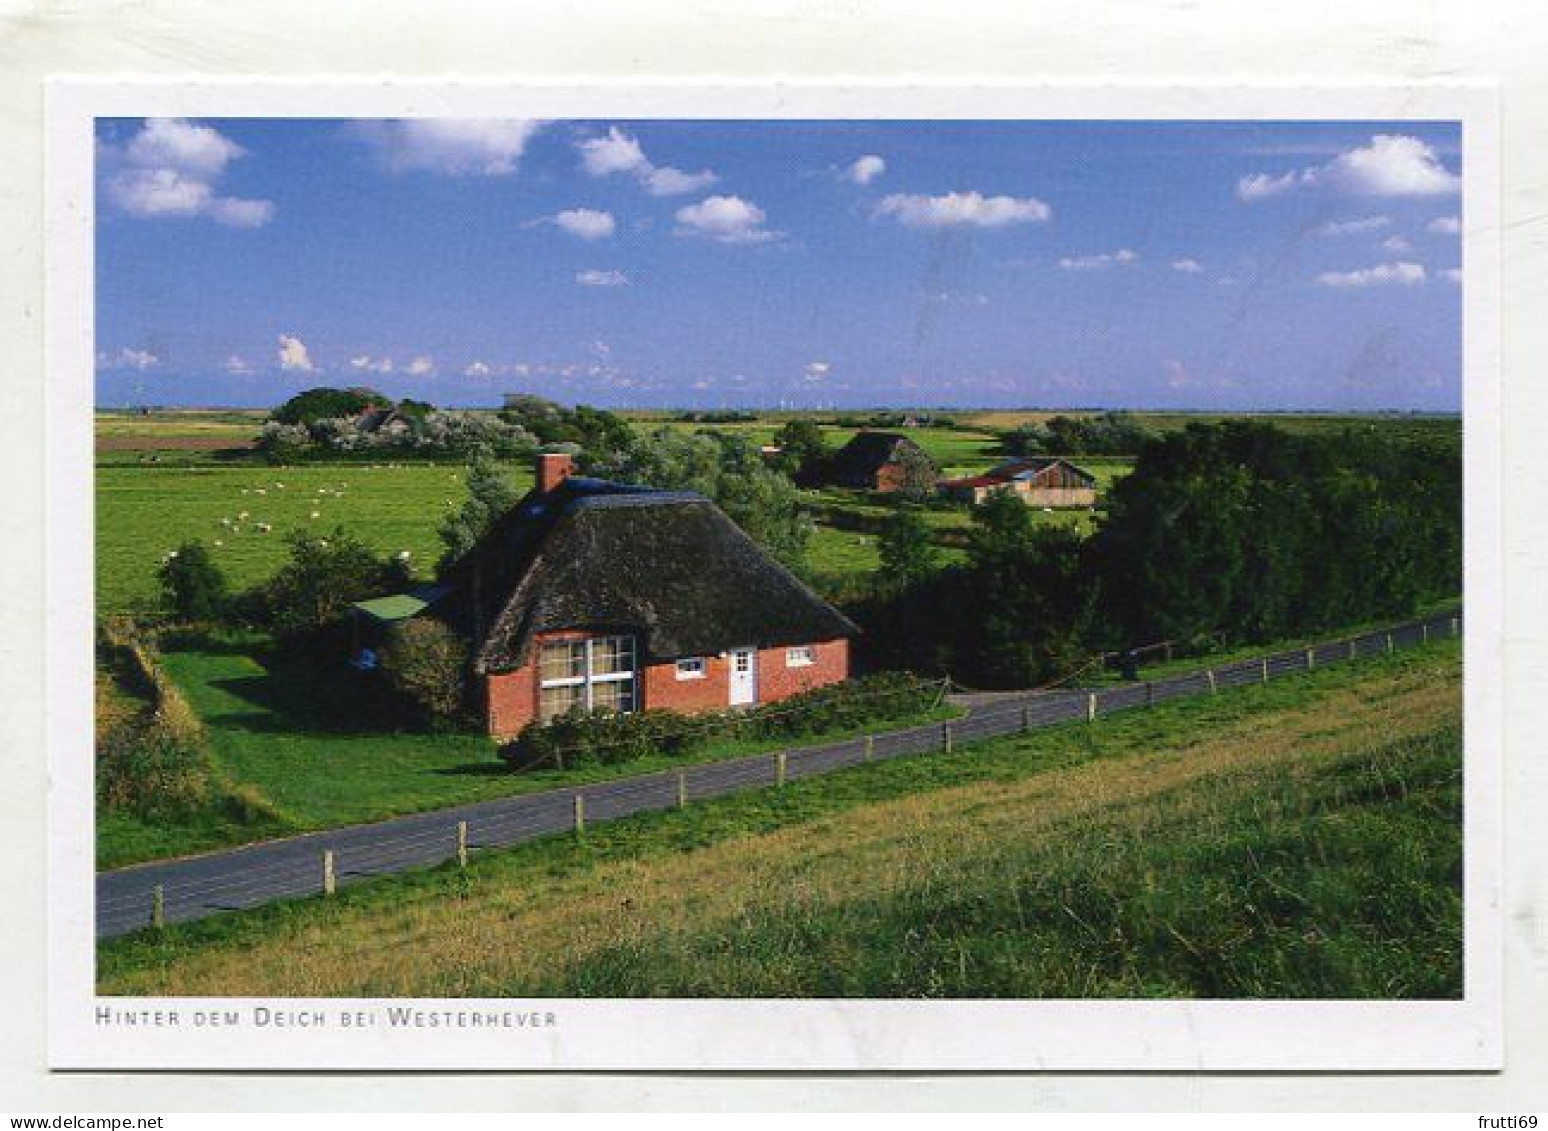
[758, 1035]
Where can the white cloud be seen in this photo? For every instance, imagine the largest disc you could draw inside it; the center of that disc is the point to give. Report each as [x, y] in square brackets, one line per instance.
[728, 219]
[236, 364]
[1401, 273]
[457, 147]
[293, 355]
[1177, 375]
[1445, 226]
[477, 369]
[241, 213]
[1187, 266]
[420, 366]
[1396, 243]
[177, 143]
[1352, 227]
[617, 152]
[1257, 186]
[865, 169]
[816, 369]
[675, 182]
[1120, 258]
[127, 358]
[586, 223]
[169, 168]
[1391, 165]
[595, 278]
[968, 209]
[368, 364]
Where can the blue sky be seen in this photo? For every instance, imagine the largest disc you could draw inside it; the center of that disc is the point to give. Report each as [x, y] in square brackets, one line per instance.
[1205, 265]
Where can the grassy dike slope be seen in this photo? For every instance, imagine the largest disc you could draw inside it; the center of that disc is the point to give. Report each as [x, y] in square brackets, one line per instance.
[1296, 840]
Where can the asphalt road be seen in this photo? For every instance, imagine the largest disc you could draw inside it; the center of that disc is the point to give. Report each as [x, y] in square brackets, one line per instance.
[232, 880]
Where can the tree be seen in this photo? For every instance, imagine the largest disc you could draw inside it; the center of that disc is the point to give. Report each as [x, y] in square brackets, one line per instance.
[919, 473]
[427, 662]
[490, 495]
[907, 551]
[312, 405]
[803, 451]
[312, 592]
[192, 583]
[729, 470]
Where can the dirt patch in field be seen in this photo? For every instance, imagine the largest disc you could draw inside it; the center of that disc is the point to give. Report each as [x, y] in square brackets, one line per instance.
[172, 444]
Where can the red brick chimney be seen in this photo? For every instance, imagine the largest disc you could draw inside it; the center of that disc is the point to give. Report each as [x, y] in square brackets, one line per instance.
[553, 468]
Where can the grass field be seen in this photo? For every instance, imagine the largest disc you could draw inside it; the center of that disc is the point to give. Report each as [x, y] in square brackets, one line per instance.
[144, 511]
[1299, 840]
[326, 761]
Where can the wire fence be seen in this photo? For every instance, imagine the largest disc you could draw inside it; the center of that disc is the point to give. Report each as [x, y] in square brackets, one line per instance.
[151, 895]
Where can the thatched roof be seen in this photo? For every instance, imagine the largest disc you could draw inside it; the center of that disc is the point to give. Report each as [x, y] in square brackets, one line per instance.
[666, 565]
[867, 453]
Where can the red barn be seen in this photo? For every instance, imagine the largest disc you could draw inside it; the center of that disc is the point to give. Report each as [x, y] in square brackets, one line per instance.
[604, 596]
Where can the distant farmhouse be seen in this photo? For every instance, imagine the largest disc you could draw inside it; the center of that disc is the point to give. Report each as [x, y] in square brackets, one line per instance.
[1036, 480]
[604, 596]
[384, 420]
[880, 461]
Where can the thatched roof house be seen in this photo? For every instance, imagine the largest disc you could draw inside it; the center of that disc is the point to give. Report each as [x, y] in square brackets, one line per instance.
[593, 594]
[879, 461]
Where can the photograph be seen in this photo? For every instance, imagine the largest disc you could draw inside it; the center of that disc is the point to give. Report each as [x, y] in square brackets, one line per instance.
[683, 559]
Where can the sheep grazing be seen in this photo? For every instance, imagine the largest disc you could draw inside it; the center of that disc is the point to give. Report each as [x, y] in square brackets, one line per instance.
[316, 514]
[259, 491]
[263, 527]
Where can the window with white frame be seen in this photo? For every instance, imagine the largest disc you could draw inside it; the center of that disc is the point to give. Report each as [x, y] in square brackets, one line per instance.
[802, 657]
[690, 667]
[591, 675]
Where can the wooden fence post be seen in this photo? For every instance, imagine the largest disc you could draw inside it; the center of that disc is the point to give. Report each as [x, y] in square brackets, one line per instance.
[1265, 669]
[159, 906]
[1456, 626]
[1351, 648]
[580, 814]
[1311, 658]
[1026, 718]
[870, 747]
[946, 737]
[1168, 651]
[1213, 686]
[1091, 707]
[330, 880]
[1389, 644]
[1150, 694]
[781, 767]
[462, 844]
[682, 789]
[1424, 633]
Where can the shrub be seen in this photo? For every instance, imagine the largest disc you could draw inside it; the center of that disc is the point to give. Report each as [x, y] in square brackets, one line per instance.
[314, 590]
[192, 583]
[427, 662]
[603, 738]
[151, 770]
[283, 443]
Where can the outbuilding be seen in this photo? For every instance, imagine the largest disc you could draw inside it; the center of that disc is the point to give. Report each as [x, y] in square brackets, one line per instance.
[1044, 481]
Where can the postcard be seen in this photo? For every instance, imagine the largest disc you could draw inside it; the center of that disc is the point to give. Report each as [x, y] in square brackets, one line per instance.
[773, 577]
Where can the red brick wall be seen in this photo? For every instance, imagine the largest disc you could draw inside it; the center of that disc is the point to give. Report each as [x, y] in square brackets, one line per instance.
[510, 701]
[776, 681]
[512, 697]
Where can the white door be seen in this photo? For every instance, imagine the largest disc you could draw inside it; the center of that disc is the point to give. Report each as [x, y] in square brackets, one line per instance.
[744, 676]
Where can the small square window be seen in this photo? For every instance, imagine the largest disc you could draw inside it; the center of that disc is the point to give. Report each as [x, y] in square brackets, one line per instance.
[691, 668]
[803, 657]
